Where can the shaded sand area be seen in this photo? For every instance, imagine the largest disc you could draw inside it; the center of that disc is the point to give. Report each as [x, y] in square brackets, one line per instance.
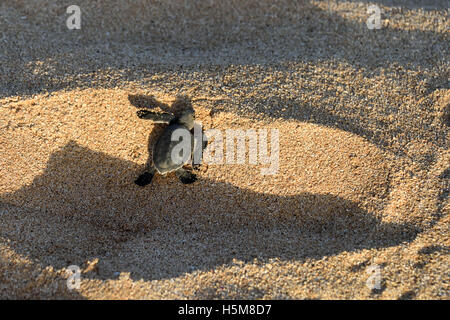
[363, 174]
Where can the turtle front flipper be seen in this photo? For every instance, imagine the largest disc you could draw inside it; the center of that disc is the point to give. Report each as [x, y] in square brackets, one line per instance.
[157, 117]
[145, 178]
[185, 176]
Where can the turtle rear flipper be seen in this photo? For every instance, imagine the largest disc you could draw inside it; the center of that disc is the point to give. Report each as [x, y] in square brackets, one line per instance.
[185, 176]
[157, 117]
[145, 178]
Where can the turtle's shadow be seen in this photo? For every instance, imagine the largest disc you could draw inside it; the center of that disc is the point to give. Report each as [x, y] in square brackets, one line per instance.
[85, 206]
[142, 101]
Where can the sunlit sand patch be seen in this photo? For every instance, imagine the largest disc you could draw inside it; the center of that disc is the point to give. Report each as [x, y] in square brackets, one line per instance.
[73, 157]
[312, 158]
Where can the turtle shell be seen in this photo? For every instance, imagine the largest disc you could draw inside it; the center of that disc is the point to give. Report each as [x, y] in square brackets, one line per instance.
[162, 152]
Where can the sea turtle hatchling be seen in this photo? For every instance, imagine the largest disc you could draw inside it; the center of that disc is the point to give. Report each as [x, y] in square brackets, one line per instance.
[163, 161]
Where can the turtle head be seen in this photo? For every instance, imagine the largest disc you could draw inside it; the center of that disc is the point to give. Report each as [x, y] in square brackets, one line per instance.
[187, 118]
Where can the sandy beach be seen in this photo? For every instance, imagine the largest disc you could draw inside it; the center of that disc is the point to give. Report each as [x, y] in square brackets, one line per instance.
[357, 208]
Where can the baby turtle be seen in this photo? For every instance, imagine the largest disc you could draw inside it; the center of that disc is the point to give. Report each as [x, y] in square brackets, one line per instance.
[163, 161]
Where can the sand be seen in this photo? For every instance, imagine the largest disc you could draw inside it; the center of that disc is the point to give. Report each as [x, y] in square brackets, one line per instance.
[363, 175]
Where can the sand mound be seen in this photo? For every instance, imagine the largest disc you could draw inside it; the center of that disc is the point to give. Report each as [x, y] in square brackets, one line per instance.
[98, 146]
